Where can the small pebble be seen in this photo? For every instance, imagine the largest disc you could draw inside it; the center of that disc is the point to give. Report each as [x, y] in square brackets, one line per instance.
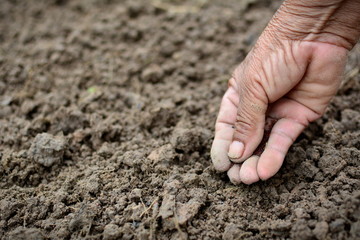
[47, 149]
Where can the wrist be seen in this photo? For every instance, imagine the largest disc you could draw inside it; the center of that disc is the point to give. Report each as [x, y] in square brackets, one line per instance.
[335, 22]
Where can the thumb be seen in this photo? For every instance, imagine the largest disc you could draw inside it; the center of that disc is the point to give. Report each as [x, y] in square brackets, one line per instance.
[250, 119]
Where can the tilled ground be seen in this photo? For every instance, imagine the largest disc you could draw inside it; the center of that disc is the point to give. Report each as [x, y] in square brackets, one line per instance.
[107, 113]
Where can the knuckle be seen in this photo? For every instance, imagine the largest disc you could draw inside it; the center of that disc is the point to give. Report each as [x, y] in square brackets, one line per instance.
[253, 99]
[244, 125]
[255, 90]
[237, 76]
[251, 82]
[232, 83]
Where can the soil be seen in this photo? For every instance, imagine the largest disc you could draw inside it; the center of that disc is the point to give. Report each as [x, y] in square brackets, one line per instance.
[107, 112]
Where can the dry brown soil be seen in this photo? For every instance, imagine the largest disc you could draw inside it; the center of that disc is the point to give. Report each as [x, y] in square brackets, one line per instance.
[107, 113]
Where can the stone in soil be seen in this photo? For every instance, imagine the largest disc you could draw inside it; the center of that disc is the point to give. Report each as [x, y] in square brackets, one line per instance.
[47, 149]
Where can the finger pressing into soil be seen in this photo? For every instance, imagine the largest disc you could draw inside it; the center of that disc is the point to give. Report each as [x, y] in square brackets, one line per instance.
[234, 174]
[224, 130]
[248, 172]
[282, 136]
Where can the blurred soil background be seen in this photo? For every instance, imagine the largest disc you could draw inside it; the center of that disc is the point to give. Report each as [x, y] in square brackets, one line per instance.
[107, 112]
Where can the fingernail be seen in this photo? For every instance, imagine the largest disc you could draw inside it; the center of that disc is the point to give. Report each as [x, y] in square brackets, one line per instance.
[236, 149]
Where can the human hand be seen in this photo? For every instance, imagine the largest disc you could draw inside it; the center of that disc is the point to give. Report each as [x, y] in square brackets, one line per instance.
[285, 82]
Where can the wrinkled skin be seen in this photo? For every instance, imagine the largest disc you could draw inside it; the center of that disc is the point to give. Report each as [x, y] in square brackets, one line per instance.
[285, 82]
